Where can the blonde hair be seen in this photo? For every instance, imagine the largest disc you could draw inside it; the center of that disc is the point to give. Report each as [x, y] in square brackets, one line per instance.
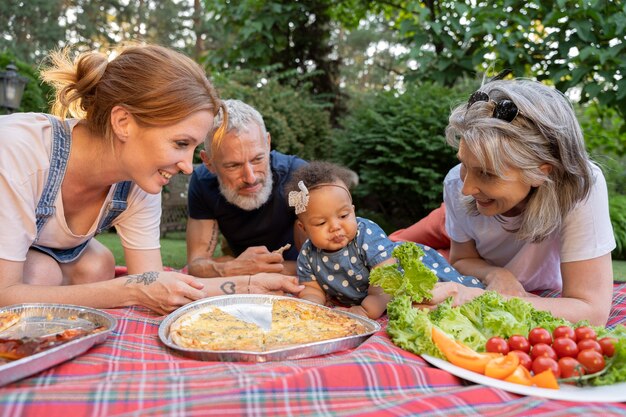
[157, 85]
[545, 131]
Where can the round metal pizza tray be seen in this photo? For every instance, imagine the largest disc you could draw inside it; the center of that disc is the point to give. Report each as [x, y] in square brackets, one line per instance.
[257, 309]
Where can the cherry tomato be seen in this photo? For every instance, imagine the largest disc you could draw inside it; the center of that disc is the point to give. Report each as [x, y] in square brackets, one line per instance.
[542, 349]
[497, 345]
[608, 345]
[570, 367]
[524, 359]
[542, 363]
[519, 342]
[565, 347]
[591, 360]
[585, 332]
[539, 335]
[564, 331]
[589, 344]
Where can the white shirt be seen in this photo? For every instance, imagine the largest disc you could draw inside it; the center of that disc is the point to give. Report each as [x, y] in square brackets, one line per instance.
[586, 233]
[25, 148]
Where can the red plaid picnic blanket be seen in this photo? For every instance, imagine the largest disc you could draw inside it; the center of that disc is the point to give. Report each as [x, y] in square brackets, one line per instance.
[134, 374]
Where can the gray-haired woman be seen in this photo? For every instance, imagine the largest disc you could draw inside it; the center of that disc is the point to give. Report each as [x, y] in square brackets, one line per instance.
[526, 209]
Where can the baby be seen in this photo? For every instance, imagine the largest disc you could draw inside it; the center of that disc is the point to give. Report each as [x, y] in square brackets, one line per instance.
[341, 249]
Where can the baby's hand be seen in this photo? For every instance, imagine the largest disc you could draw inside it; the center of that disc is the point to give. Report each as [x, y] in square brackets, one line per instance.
[354, 310]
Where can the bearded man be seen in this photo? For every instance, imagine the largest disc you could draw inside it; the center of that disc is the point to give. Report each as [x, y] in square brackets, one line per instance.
[239, 191]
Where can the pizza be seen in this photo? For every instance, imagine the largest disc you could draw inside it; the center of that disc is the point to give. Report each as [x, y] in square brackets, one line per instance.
[8, 319]
[293, 323]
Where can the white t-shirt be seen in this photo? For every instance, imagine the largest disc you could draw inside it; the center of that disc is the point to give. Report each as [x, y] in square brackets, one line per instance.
[586, 233]
[25, 148]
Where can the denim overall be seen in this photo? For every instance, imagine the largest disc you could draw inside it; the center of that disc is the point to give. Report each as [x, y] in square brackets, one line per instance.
[61, 144]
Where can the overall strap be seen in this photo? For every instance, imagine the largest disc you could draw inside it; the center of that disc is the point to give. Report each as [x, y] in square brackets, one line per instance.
[59, 155]
[117, 205]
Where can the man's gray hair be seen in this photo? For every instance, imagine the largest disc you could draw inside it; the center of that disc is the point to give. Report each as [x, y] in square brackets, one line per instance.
[240, 118]
[544, 132]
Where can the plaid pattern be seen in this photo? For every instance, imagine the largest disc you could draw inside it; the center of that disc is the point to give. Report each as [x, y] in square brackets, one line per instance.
[133, 374]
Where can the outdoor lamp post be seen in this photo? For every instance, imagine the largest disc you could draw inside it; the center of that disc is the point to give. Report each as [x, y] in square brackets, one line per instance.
[11, 88]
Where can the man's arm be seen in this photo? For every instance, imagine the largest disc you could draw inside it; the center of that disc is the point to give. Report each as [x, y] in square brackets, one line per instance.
[202, 236]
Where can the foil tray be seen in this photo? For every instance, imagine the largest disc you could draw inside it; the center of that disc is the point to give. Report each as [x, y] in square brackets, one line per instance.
[257, 309]
[46, 319]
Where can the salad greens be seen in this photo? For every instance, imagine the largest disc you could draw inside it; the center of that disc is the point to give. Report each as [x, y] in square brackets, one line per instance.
[410, 276]
[472, 323]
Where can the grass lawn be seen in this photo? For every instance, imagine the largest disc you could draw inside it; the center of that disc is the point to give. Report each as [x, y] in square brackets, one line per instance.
[174, 252]
[173, 248]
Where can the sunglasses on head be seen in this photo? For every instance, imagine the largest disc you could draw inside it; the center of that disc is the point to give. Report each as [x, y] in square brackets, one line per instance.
[504, 110]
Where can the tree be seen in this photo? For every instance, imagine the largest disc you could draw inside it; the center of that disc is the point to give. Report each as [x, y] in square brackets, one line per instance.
[30, 29]
[572, 43]
[256, 34]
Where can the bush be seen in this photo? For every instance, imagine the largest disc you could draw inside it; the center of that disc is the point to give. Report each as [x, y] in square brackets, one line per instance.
[617, 208]
[297, 122]
[36, 93]
[396, 143]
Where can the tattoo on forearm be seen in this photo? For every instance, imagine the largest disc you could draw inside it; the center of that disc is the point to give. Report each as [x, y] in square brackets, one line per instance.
[228, 287]
[213, 241]
[146, 278]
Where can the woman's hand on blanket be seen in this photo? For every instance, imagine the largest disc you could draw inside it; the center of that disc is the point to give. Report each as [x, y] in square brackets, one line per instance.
[504, 282]
[278, 284]
[164, 292]
[460, 294]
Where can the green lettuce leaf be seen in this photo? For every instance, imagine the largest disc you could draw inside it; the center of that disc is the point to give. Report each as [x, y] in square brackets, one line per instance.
[408, 277]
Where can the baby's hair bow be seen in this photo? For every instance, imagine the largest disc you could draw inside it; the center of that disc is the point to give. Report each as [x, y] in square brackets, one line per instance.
[299, 199]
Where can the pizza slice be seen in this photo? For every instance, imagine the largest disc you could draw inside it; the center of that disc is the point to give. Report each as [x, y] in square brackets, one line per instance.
[215, 329]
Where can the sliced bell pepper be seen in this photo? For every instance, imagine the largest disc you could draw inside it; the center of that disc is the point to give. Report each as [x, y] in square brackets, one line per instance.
[502, 366]
[545, 379]
[459, 354]
[521, 376]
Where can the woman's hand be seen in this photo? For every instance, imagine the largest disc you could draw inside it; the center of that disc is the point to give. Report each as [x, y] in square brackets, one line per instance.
[277, 284]
[460, 294]
[164, 292]
[504, 282]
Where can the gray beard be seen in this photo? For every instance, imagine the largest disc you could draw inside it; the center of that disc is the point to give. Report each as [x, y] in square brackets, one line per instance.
[248, 203]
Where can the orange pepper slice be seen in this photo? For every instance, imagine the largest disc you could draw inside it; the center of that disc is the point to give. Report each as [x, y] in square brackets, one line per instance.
[521, 376]
[545, 379]
[460, 355]
[502, 366]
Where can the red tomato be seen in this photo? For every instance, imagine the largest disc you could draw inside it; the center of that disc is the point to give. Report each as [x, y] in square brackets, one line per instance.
[589, 344]
[542, 349]
[519, 342]
[608, 345]
[565, 347]
[585, 332]
[570, 367]
[564, 331]
[524, 359]
[542, 363]
[591, 360]
[539, 335]
[497, 345]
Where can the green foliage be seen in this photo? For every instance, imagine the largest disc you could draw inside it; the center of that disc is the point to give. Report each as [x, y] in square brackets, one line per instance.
[297, 122]
[573, 43]
[617, 208]
[604, 130]
[36, 93]
[395, 143]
